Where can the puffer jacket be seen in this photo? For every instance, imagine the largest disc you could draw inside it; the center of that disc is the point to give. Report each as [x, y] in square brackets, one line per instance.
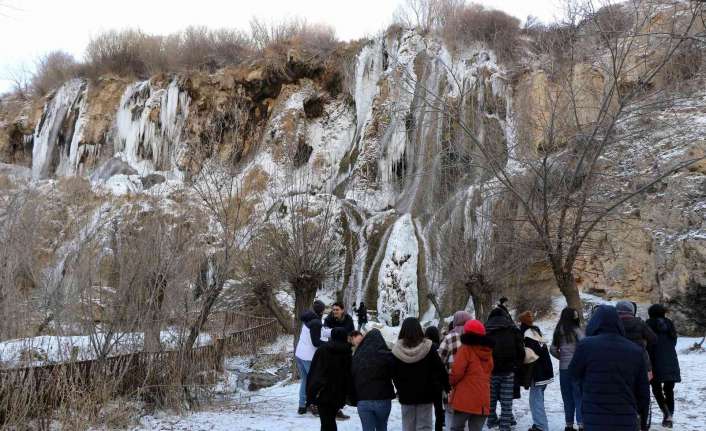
[373, 366]
[329, 380]
[470, 375]
[612, 374]
[509, 350]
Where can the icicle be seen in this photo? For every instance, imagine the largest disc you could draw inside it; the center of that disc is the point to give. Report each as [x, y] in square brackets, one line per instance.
[147, 143]
[60, 131]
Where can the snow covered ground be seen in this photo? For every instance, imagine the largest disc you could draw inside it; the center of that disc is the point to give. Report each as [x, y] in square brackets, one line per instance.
[275, 407]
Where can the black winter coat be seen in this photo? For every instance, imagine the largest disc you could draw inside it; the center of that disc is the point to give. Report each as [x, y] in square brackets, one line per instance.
[345, 323]
[509, 350]
[373, 368]
[542, 370]
[362, 314]
[663, 354]
[313, 322]
[637, 331]
[612, 374]
[420, 381]
[329, 380]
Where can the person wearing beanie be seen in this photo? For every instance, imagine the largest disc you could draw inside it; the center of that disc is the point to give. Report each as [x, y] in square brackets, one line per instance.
[470, 378]
[665, 363]
[637, 331]
[542, 372]
[448, 348]
[330, 382]
[508, 355]
[612, 374]
[309, 341]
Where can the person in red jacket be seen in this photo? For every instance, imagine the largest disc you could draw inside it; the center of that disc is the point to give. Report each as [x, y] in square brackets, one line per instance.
[470, 378]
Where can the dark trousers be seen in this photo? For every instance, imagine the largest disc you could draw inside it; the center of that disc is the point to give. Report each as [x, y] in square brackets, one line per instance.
[664, 394]
[439, 414]
[327, 414]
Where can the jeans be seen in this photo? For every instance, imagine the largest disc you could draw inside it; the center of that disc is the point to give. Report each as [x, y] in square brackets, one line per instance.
[571, 395]
[536, 402]
[448, 417]
[501, 389]
[374, 414]
[417, 417]
[303, 367]
[327, 415]
[475, 422]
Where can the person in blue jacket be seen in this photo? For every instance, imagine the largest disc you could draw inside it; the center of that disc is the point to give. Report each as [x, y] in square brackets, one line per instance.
[612, 373]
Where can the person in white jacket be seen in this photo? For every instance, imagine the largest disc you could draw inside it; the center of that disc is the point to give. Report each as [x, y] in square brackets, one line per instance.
[309, 341]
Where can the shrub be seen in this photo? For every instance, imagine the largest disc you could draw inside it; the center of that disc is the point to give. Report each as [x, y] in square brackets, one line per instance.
[471, 23]
[53, 70]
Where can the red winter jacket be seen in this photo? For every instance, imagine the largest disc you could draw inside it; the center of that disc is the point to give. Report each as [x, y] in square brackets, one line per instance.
[470, 375]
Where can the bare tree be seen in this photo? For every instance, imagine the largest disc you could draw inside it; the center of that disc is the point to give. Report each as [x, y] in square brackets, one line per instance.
[558, 182]
[302, 245]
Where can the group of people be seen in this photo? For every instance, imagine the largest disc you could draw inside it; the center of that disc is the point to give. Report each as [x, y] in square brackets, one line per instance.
[455, 381]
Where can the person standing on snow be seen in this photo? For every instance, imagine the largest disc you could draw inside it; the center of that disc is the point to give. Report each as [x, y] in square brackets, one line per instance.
[542, 370]
[373, 367]
[612, 373]
[362, 314]
[338, 318]
[470, 378]
[567, 335]
[665, 363]
[432, 333]
[419, 375]
[448, 348]
[508, 354]
[309, 341]
[329, 384]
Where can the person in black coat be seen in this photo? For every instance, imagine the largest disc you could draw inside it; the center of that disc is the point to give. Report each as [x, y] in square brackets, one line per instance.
[665, 363]
[362, 314]
[372, 370]
[612, 373]
[432, 333]
[338, 318]
[508, 354]
[330, 382]
[419, 375]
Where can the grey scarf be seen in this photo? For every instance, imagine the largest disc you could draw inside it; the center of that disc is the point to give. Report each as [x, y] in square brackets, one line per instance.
[411, 355]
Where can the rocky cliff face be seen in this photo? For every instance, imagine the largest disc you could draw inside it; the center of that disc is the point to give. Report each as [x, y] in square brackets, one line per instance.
[372, 137]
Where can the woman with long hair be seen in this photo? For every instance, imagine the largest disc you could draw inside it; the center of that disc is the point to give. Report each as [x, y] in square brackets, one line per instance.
[567, 334]
[419, 376]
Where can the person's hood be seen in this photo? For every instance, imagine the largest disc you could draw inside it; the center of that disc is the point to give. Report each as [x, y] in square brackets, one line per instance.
[411, 355]
[372, 344]
[625, 308]
[498, 321]
[460, 319]
[308, 316]
[660, 325]
[656, 311]
[339, 341]
[469, 339]
[605, 320]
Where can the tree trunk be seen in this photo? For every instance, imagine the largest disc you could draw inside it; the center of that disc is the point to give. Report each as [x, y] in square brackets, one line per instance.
[480, 293]
[567, 285]
[304, 294]
[264, 295]
[211, 295]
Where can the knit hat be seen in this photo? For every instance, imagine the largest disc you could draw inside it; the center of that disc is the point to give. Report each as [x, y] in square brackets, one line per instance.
[460, 319]
[526, 318]
[474, 327]
[319, 307]
[625, 308]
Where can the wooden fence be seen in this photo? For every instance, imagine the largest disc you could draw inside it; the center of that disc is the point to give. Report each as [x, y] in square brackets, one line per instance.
[42, 389]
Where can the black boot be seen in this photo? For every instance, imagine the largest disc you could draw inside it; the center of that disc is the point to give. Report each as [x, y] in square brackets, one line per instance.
[302, 410]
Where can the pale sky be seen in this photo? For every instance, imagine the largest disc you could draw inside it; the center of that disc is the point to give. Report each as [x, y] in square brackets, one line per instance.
[31, 28]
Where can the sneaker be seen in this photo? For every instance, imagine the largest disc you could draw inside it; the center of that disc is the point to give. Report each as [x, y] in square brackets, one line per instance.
[314, 410]
[340, 416]
[668, 422]
[491, 425]
[302, 410]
